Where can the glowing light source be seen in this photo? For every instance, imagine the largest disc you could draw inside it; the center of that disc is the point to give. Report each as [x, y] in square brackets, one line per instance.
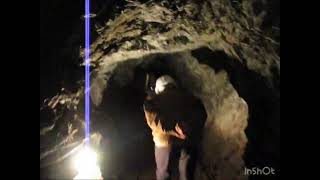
[86, 164]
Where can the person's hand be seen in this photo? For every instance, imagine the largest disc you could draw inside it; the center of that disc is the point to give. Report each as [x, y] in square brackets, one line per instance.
[179, 131]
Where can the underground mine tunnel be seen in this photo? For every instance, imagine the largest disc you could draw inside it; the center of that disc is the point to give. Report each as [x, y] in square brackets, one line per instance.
[235, 74]
[218, 81]
[129, 99]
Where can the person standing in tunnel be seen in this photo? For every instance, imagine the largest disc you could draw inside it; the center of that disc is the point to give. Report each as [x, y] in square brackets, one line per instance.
[176, 119]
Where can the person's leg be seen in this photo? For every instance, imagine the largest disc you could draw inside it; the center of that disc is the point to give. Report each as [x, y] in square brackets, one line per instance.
[183, 163]
[187, 162]
[162, 155]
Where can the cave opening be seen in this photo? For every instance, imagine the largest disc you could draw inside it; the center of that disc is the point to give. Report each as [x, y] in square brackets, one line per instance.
[126, 127]
[127, 148]
[120, 119]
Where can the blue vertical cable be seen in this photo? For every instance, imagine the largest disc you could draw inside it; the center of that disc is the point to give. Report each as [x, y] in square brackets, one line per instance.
[87, 70]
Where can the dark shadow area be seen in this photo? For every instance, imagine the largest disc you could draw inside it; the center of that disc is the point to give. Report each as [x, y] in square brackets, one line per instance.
[127, 147]
[57, 19]
[62, 29]
[263, 130]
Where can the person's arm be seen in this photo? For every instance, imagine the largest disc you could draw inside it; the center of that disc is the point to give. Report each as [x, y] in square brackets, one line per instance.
[177, 133]
[150, 116]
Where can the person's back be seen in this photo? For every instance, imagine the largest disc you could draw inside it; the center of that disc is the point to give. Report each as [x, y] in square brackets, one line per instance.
[176, 106]
[162, 113]
[173, 114]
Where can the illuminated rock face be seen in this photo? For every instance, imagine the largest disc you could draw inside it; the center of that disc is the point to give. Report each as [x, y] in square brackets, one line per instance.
[224, 138]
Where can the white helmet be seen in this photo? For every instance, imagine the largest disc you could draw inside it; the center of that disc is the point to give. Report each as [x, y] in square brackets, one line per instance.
[162, 82]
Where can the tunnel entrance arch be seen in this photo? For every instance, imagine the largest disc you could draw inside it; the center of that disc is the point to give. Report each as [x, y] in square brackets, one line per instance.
[224, 137]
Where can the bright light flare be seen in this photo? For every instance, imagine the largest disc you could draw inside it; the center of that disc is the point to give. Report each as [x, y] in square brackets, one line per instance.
[85, 161]
[87, 69]
[86, 165]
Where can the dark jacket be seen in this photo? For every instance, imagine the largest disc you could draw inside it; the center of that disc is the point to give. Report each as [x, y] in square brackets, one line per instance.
[165, 110]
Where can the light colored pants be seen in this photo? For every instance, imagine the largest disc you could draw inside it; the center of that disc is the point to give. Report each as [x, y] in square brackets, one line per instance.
[162, 156]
